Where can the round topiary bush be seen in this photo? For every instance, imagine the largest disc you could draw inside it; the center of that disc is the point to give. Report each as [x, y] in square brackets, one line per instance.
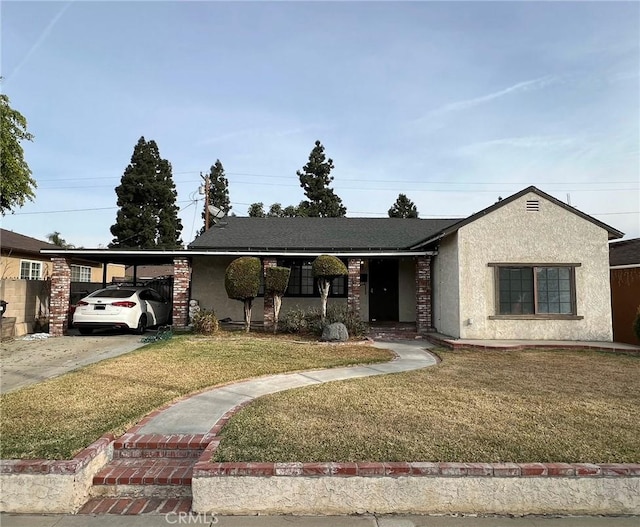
[242, 278]
[327, 266]
[276, 280]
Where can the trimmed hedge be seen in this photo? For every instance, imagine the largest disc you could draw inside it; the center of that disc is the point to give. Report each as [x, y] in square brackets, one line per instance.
[242, 278]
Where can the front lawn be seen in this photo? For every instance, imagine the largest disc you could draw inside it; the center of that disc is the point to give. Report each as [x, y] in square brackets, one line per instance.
[475, 406]
[57, 418]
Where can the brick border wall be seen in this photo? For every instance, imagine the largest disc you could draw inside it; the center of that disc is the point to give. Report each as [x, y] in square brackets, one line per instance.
[60, 293]
[181, 284]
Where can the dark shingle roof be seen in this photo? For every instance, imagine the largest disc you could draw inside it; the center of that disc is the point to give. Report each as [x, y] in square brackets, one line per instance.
[319, 233]
[625, 252]
[12, 241]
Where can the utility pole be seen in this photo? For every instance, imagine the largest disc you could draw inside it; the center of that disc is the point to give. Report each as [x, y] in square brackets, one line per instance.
[206, 201]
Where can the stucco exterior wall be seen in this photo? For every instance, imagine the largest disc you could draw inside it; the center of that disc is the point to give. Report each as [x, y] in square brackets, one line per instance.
[207, 287]
[415, 495]
[446, 312]
[407, 290]
[511, 234]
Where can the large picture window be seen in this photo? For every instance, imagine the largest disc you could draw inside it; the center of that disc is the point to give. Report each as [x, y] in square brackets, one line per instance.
[30, 270]
[536, 290]
[301, 282]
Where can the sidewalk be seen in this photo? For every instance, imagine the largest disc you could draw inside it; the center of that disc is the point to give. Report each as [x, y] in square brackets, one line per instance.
[152, 520]
[198, 414]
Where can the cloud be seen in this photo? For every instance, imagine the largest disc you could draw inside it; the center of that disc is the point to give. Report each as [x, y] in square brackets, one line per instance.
[43, 36]
[534, 84]
[529, 142]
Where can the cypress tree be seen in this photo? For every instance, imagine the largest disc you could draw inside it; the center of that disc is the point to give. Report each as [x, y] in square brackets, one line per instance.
[148, 215]
[403, 208]
[315, 178]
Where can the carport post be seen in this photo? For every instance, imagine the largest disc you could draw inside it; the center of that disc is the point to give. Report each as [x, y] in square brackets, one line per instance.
[181, 281]
[60, 292]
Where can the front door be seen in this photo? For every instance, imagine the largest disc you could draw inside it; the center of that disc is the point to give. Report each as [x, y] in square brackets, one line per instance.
[383, 290]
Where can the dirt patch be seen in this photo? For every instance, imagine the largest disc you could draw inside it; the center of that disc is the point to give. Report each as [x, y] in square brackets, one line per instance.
[26, 362]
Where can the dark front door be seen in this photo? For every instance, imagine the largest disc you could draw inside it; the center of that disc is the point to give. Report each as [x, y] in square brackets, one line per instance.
[383, 290]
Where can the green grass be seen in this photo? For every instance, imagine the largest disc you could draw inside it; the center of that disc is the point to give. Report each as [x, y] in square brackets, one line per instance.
[544, 406]
[57, 418]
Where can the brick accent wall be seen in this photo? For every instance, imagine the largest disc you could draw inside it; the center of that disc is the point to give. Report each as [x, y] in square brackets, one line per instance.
[269, 310]
[181, 281]
[60, 292]
[424, 320]
[353, 291]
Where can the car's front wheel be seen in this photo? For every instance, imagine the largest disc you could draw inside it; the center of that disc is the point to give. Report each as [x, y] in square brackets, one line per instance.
[142, 325]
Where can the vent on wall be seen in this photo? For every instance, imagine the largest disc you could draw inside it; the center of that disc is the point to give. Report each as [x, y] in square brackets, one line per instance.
[533, 205]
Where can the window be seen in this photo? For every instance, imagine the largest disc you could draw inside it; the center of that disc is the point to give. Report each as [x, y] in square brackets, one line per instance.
[536, 290]
[80, 273]
[30, 270]
[301, 282]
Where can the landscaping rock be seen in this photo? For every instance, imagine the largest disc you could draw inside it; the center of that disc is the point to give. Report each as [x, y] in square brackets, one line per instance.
[336, 332]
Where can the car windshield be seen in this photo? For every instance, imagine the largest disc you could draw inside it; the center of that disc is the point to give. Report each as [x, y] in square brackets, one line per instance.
[113, 293]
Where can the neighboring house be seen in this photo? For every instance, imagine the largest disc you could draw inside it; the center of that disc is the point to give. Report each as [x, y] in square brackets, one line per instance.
[624, 257]
[148, 272]
[527, 267]
[25, 274]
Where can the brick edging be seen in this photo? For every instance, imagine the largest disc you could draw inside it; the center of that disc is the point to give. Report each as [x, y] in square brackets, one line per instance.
[205, 468]
[456, 345]
[60, 467]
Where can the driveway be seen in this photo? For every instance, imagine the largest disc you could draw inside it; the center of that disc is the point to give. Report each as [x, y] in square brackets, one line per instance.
[26, 362]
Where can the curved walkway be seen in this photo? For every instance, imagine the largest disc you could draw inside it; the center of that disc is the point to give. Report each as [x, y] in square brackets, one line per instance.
[199, 414]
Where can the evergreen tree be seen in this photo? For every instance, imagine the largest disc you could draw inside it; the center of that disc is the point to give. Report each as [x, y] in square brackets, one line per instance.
[256, 210]
[16, 183]
[403, 208]
[315, 179]
[148, 215]
[218, 191]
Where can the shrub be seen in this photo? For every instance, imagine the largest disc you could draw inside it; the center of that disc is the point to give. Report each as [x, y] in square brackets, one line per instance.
[325, 268]
[205, 322]
[310, 321]
[242, 282]
[636, 324]
[276, 281]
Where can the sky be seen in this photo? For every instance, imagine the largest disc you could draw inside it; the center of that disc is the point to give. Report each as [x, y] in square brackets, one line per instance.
[454, 104]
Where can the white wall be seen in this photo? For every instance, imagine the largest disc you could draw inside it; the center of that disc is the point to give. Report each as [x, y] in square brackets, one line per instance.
[446, 287]
[554, 235]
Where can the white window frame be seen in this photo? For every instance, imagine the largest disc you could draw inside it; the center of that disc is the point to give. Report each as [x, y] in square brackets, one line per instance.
[33, 265]
[80, 273]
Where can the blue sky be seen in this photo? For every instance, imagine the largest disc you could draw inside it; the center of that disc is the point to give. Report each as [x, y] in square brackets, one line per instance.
[451, 103]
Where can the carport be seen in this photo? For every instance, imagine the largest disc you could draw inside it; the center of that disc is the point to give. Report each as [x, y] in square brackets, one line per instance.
[61, 278]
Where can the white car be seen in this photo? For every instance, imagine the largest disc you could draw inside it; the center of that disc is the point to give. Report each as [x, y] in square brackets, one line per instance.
[132, 308]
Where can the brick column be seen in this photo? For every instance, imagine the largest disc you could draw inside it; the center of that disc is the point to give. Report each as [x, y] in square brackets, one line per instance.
[353, 291]
[269, 317]
[424, 320]
[181, 282]
[60, 293]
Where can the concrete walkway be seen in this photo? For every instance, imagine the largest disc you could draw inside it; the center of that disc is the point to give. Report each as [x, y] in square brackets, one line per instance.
[198, 414]
[367, 520]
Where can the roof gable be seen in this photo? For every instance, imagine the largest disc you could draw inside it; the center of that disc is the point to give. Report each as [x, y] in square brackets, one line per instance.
[613, 233]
